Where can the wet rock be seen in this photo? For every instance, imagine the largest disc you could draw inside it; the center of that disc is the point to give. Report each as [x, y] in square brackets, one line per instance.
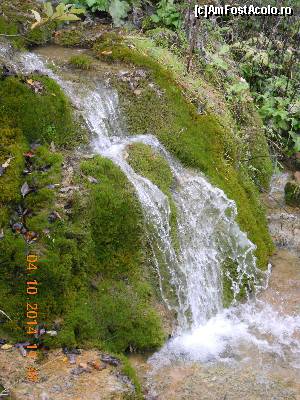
[7, 72]
[292, 193]
[110, 360]
[91, 179]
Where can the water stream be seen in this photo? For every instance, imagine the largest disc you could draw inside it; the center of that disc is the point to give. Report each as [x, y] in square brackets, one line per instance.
[208, 234]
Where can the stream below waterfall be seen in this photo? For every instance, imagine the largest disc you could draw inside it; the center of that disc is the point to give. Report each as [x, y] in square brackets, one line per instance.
[250, 350]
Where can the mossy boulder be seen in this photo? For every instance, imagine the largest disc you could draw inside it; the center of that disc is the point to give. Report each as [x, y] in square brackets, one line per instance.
[44, 117]
[292, 193]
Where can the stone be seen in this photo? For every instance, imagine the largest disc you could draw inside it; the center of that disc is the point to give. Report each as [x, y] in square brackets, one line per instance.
[68, 189]
[25, 189]
[297, 176]
[6, 346]
[91, 179]
[110, 360]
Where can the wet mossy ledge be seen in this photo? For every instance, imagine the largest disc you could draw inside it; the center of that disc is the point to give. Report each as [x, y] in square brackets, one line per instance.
[88, 235]
[162, 102]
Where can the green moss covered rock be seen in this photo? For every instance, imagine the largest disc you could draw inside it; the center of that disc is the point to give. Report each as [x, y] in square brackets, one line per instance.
[292, 193]
[43, 117]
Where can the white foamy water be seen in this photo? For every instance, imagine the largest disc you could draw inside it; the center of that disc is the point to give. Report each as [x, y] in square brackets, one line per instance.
[209, 236]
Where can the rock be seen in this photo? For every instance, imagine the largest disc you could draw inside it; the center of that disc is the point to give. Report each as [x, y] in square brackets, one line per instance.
[51, 333]
[2, 341]
[71, 351]
[44, 396]
[68, 189]
[6, 346]
[54, 216]
[25, 189]
[72, 358]
[91, 179]
[110, 360]
[292, 193]
[36, 86]
[297, 176]
[18, 227]
[137, 92]
[52, 147]
[1, 234]
[2, 170]
[97, 365]
[7, 162]
[22, 351]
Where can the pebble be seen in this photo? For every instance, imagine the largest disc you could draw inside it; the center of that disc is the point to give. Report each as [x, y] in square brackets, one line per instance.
[91, 179]
[6, 346]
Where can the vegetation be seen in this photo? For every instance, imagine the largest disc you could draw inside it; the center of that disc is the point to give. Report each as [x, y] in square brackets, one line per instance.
[81, 61]
[196, 95]
[199, 141]
[90, 259]
[20, 106]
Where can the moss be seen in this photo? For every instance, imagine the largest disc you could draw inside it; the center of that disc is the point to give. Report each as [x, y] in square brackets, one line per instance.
[46, 117]
[151, 165]
[292, 194]
[128, 370]
[68, 38]
[81, 61]
[12, 146]
[40, 36]
[230, 274]
[198, 141]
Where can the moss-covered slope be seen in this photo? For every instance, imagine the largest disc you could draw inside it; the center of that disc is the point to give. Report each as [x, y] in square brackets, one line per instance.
[89, 240]
[160, 104]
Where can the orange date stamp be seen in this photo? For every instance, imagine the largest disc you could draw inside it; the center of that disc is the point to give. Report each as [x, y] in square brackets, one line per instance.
[32, 313]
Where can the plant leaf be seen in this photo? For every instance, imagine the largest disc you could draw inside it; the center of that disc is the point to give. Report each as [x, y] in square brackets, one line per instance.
[48, 9]
[118, 11]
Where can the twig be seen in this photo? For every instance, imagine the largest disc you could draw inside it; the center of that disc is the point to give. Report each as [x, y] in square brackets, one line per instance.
[5, 314]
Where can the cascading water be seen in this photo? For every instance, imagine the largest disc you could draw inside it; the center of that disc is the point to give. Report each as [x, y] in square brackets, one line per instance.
[208, 238]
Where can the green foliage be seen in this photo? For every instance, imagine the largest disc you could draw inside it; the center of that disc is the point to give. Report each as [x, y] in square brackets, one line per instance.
[45, 117]
[63, 13]
[81, 61]
[167, 14]
[292, 194]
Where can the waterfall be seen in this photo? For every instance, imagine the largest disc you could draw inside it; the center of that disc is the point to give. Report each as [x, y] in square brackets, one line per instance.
[208, 235]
